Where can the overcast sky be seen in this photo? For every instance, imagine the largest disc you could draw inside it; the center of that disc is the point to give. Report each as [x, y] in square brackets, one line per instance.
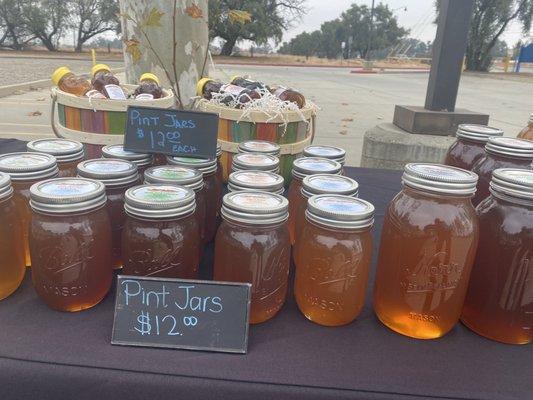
[418, 18]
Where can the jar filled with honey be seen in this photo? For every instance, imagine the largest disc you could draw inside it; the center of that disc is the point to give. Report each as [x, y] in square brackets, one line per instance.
[470, 145]
[186, 177]
[68, 153]
[428, 245]
[260, 146]
[320, 184]
[329, 152]
[220, 177]
[161, 237]
[501, 152]
[65, 80]
[117, 176]
[106, 82]
[527, 132]
[256, 181]
[70, 243]
[12, 265]
[256, 162]
[301, 168]
[499, 301]
[212, 189]
[142, 161]
[252, 245]
[25, 169]
[334, 259]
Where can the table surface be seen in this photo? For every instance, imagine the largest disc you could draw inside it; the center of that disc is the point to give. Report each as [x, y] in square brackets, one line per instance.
[48, 354]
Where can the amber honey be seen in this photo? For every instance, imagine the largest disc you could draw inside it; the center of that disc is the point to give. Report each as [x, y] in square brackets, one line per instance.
[427, 248]
[252, 245]
[70, 243]
[334, 251]
[527, 132]
[499, 301]
[68, 153]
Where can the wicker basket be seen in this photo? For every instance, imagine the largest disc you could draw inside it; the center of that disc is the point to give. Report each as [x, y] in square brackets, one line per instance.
[289, 131]
[96, 122]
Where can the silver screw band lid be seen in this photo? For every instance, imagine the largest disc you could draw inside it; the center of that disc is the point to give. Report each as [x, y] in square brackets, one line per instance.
[219, 150]
[441, 179]
[255, 207]
[67, 195]
[329, 152]
[255, 161]
[255, 180]
[329, 184]
[159, 201]
[478, 133]
[304, 166]
[511, 147]
[260, 146]
[341, 212]
[206, 166]
[117, 151]
[28, 166]
[174, 175]
[513, 182]
[63, 150]
[6, 190]
[112, 172]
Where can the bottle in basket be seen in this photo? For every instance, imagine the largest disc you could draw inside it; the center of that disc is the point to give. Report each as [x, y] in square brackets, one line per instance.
[206, 87]
[148, 88]
[65, 80]
[106, 82]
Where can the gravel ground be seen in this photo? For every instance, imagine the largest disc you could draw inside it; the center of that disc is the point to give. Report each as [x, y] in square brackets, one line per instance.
[23, 69]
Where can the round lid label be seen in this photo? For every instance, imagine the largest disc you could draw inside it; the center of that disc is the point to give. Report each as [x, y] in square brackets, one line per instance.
[176, 173]
[107, 166]
[324, 151]
[316, 165]
[256, 200]
[191, 160]
[341, 205]
[68, 187]
[56, 145]
[254, 159]
[260, 146]
[440, 172]
[26, 160]
[256, 178]
[333, 183]
[159, 194]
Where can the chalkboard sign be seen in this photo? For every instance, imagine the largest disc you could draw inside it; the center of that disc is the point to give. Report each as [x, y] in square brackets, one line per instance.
[181, 314]
[172, 132]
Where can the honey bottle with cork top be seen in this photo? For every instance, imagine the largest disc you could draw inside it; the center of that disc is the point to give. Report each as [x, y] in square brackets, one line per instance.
[206, 87]
[106, 82]
[68, 82]
[148, 88]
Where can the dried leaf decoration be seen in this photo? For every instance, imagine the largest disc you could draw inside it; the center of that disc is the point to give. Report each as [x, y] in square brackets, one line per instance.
[154, 17]
[239, 16]
[133, 49]
[194, 11]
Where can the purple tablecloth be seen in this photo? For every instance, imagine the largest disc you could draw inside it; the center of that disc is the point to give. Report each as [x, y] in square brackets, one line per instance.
[46, 354]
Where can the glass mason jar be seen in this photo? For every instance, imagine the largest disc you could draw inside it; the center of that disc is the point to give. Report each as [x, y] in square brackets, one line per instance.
[428, 245]
[186, 177]
[70, 243]
[252, 245]
[25, 169]
[501, 152]
[212, 190]
[161, 237]
[256, 181]
[117, 176]
[142, 161]
[320, 184]
[220, 178]
[527, 132]
[68, 153]
[329, 152]
[256, 162]
[12, 264]
[470, 145]
[301, 168]
[499, 301]
[335, 254]
[260, 146]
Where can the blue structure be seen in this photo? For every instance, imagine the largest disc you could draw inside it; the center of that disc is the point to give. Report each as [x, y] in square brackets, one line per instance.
[525, 55]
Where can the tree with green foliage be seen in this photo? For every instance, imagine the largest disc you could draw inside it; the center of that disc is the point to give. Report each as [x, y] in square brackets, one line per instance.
[268, 19]
[13, 30]
[92, 17]
[46, 20]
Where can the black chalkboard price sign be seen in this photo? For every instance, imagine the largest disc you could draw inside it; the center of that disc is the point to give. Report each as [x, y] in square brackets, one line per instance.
[172, 132]
[181, 314]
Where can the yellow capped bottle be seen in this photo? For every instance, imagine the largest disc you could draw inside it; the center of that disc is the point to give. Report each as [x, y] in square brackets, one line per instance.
[65, 80]
[148, 88]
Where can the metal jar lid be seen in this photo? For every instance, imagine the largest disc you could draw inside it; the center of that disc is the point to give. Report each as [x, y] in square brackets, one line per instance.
[174, 175]
[329, 184]
[478, 133]
[67, 195]
[206, 166]
[159, 201]
[63, 150]
[513, 182]
[28, 166]
[255, 208]
[511, 147]
[219, 151]
[260, 146]
[117, 151]
[330, 152]
[255, 161]
[304, 166]
[256, 181]
[441, 179]
[6, 190]
[337, 211]
[112, 172]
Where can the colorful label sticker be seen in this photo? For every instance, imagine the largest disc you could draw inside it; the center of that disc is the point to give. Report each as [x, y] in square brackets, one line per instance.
[341, 205]
[160, 194]
[332, 183]
[257, 178]
[176, 173]
[56, 145]
[254, 159]
[260, 146]
[255, 200]
[28, 160]
[325, 151]
[115, 92]
[68, 187]
[315, 165]
[107, 166]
